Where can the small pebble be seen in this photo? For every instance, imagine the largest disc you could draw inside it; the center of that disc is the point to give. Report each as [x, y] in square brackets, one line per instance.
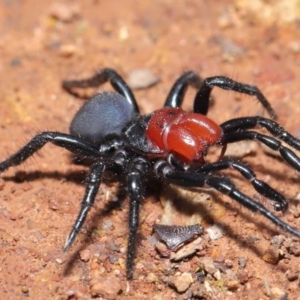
[141, 79]
[85, 255]
[291, 275]
[295, 249]
[277, 240]
[243, 277]
[53, 204]
[64, 12]
[13, 215]
[107, 225]
[113, 258]
[215, 232]
[188, 249]
[228, 46]
[183, 282]
[70, 293]
[295, 212]
[67, 50]
[217, 275]
[228, 263]
[24, 289]
[108, 287]
[242, 262]
[278, 293]
[271, 256]
[59, 260]
[208, 265]
[232, 285]
[151, 277]
[112, 246]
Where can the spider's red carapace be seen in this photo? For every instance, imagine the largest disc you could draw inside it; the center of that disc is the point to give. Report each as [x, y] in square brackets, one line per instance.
[187, 134]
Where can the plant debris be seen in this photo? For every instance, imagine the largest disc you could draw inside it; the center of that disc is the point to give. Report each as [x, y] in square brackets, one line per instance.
[175, 236]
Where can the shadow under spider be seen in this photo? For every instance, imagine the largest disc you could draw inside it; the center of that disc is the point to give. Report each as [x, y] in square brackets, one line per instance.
[184, 207]
[244, 241]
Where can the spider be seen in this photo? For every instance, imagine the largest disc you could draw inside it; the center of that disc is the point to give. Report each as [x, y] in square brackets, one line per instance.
[168, 144]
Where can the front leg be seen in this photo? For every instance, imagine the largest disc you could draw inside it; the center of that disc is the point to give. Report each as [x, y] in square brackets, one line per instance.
[288, 155]
[228, 84]
[245, 123]
[179, 88]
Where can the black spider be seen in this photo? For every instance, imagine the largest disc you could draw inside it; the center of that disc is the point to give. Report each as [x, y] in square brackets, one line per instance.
[168, 144]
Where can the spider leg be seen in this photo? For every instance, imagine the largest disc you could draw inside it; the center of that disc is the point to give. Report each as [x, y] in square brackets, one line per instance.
[288, 155]
[93, 182]
[136, 194]
[226, 187]
[225, 83]
[273, 127]
[99, 78]
[261, 187]
[138, 168]
[178, 90]
[63, 140]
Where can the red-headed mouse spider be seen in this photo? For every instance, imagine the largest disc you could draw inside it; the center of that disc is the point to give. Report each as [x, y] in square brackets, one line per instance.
[169, 144]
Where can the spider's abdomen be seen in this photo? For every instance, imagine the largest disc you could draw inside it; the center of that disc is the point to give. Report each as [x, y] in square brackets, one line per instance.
[187, 134]
[105, 114]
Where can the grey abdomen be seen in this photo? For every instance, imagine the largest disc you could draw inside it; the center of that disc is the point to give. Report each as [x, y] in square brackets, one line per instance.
[105, 114]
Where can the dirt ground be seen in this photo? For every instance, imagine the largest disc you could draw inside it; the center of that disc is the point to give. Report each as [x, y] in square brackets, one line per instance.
[44, 42]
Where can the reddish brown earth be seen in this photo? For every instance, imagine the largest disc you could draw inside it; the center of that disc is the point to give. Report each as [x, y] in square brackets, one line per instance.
[42, 44]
